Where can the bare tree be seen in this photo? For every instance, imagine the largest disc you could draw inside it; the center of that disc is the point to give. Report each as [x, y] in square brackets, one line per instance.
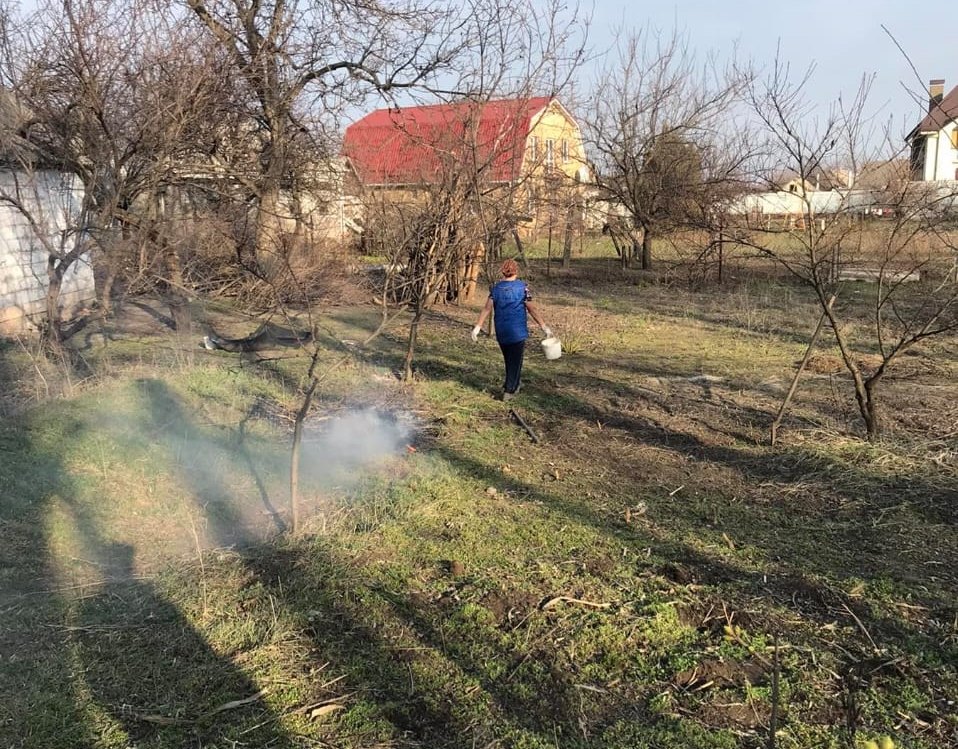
[832, 239]
[660, 129]
[475, 171]
[298, 63]
[114, 94]
[49, 206]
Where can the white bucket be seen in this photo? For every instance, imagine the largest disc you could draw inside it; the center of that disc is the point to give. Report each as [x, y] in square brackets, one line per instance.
[552, 347]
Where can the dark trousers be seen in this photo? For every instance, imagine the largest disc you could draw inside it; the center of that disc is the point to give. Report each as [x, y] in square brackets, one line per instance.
[512, 353]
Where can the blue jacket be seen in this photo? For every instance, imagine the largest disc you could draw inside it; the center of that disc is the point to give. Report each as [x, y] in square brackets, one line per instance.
[509, 304]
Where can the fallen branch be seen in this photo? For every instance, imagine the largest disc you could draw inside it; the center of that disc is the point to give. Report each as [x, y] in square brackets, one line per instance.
[166, 720]
[861, 626]
[773, 719]
[551, 603]
[234, 704]
[522, 423]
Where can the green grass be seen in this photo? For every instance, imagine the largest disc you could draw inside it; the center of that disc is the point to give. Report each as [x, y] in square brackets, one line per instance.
[622, 584]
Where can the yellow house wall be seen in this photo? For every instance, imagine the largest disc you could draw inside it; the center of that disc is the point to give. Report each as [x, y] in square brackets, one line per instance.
[547, 202]
[554, 125]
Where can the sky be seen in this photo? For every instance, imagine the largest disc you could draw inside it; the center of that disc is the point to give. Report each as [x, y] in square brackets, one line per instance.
[842, 38]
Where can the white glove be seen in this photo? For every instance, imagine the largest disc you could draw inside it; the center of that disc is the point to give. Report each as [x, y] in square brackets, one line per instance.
[475, 334]
[547, 331]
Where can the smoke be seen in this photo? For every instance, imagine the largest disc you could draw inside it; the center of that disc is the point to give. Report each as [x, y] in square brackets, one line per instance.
[195, 482]
[337, 452]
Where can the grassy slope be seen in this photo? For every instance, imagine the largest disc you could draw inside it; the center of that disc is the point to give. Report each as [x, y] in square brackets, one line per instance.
[427, 613]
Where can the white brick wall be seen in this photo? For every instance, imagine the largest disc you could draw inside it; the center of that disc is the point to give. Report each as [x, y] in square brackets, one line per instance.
[53, 199]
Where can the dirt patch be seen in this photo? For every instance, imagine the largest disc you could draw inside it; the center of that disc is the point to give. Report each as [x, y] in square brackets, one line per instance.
[735, 715]
[831, 364]
[697, 574]
[509, 609]
[721, 673]
[704, 616]
[599, 566]
[802, 589]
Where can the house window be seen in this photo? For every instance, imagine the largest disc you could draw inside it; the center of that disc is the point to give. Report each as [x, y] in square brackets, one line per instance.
[533, 148]
[954, 138]
[565, 151]
[550, 152]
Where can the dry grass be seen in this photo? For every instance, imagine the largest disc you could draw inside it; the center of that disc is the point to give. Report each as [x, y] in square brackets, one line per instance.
[619, 585]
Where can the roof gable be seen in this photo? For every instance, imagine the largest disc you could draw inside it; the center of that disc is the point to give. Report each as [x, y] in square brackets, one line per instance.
[940, 115]
[417, 145]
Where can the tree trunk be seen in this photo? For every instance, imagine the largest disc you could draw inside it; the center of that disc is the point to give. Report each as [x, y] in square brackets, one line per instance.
[177, 300]
[646, 250]
[411, 346]
[871, 411]
[520, 249]
[106, 289]
[267, 223]
[865, 389]
[52, 333]
[620, 249]
[297, 445]
[472, 272]
[269, 229]
[721, 257]
[567, 239]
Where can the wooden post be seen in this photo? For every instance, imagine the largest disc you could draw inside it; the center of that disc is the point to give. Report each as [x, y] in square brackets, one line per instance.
[549, 247]
[773, 435]
[721, 255]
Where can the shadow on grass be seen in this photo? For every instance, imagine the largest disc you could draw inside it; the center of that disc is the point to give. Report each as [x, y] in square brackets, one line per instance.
[419, 678]
[346, 622]
[106, 659]
[781, 585]
[838, 536]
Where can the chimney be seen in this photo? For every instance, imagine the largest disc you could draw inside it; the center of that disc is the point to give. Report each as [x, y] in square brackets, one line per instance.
[936, 92]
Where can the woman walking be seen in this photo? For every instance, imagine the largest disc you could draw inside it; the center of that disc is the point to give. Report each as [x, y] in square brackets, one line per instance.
[511, 300]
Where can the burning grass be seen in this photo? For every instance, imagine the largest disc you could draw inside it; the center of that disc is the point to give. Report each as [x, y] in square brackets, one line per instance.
[635, 580]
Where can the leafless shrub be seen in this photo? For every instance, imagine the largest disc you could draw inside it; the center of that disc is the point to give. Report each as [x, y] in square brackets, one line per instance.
[905, 255]
[660, 124]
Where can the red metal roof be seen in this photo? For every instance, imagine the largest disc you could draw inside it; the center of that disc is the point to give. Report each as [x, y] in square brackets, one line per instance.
[417, 145]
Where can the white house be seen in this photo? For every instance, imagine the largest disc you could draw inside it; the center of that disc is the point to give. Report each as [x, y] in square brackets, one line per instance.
[934, 140]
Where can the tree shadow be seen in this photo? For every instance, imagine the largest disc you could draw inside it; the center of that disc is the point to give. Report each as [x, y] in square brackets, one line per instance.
[211, 463]
[565, 394]
[164, 320]
[92, 653]
[403, 668]
[787, 575]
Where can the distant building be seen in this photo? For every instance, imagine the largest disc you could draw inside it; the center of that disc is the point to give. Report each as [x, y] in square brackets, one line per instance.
[934, 140]
[529, 148]
[793, 184]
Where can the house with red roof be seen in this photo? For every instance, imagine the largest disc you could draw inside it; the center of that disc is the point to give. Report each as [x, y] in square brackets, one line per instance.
[526, 149]
[934, 140]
